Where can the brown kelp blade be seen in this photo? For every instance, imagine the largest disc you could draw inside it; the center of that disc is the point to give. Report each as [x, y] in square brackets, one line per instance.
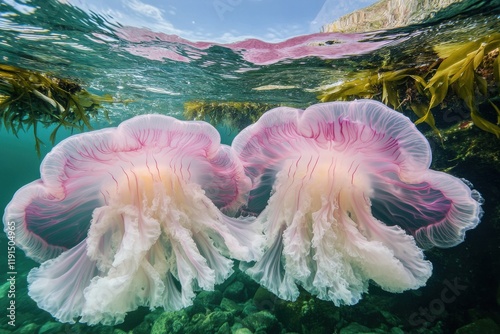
[29, 98]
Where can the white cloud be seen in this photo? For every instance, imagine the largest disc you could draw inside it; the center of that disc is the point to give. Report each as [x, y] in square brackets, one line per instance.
[145, 9]
[172, 10]
[159, 16]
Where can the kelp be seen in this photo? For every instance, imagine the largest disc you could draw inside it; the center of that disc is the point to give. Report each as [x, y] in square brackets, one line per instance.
[235, 115]
[29, 99]
[393, 88]
[459, 71]
[462, 70]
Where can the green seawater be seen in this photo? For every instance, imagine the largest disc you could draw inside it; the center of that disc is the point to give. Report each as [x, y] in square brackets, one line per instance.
[465, 287]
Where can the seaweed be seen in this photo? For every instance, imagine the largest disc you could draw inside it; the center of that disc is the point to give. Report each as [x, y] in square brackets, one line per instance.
[29, 99]
[236, 115]
[459, 71]
[467, 71]
[394, 88]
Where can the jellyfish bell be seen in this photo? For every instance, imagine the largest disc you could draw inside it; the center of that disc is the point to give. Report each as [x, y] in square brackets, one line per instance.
[349, 198]
[132, 216]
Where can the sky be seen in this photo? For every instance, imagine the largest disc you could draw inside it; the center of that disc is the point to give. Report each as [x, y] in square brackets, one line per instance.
[224, 20]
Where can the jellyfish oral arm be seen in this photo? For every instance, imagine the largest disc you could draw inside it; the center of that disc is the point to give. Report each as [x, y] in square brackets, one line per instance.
[136, 212]
[352, 200]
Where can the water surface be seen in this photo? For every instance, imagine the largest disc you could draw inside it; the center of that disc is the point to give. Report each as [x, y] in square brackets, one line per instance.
[161, 72]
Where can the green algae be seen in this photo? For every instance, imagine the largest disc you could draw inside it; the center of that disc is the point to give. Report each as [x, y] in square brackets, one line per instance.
[468, 71]
[236, 115]
[30, 99]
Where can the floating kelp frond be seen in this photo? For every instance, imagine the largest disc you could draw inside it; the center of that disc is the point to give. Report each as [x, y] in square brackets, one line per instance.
[471, 70]
[393, 88]
[368, 84]
[29, 98]
[459, 71]
[236, 115]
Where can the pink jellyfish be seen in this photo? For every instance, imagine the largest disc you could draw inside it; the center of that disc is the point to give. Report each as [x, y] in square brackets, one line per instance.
[351, 197]
[129, 216]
